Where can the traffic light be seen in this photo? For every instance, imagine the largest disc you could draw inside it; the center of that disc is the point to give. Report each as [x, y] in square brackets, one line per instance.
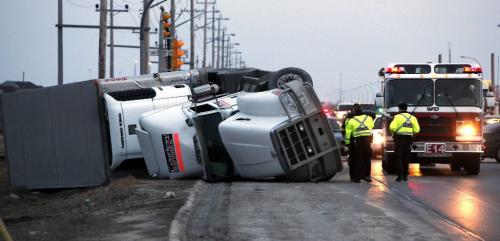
[166, 24]
[177, 54]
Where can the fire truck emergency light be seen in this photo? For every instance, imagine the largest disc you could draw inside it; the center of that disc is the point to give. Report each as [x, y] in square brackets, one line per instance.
[472, 70]
[395, 70]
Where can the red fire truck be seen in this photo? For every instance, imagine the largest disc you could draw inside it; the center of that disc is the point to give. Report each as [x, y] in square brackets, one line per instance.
[447, 100]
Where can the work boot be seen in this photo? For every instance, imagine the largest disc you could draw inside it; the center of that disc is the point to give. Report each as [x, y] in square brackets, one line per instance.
[356, 181]
[367, 179]
[399, 179]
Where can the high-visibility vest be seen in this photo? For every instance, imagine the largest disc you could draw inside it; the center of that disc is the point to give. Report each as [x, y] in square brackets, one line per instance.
[357, 126]
[404, 124]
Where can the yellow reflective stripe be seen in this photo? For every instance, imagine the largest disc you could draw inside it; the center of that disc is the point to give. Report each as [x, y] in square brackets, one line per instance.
[405, 133]
[362, 133]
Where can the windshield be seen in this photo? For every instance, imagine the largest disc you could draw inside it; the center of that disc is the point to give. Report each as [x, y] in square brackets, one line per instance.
[369, 107]
[344, 107]
[410, 91]
[458, 92]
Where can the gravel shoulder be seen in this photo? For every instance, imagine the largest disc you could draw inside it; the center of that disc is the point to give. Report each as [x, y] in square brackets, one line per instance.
[131, 207]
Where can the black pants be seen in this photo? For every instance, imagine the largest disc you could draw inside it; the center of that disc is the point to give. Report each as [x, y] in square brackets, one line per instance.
[402, 151]
[360, 163]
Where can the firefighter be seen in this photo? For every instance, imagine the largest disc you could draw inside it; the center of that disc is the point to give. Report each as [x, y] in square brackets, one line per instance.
[348, 147]
[358, 136]
[403, 127]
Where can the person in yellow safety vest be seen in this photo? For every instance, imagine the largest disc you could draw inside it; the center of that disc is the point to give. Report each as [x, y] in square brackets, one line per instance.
[403, 127]
[349, 150]
[358, 136]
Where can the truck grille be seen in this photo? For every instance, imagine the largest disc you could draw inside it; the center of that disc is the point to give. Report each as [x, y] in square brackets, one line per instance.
[296, 142]
[441, 129]
[441, 125]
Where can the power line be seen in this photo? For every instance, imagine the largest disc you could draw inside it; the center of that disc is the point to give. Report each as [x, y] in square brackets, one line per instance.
[79, 5]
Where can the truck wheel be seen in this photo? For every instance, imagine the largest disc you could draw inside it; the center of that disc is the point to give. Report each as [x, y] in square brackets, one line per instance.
[388, 163]
[472, 165]
[497, 156]
[282, 76]
[455, 166]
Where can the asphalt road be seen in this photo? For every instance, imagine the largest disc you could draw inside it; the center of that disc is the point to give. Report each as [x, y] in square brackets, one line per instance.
[435, 204]
[472, 202]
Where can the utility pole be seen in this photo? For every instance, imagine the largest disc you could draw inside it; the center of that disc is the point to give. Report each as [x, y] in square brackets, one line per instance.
[213, 35]
[493, 74]
[144, 38]
[218, 41]
[205, 10]
[60, 43]
[161, 43]
[111, 34]
[147, 28]
[170, 39]
[111, 41]
[102, 40]
[218, 38]
[191, 35]
[228, 54]
[222, 49]
[204, 64]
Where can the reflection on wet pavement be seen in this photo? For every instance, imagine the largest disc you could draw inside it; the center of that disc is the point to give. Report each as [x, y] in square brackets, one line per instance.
[470, 202]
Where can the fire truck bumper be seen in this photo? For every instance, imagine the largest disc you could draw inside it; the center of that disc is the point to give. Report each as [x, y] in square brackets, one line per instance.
[441, 149]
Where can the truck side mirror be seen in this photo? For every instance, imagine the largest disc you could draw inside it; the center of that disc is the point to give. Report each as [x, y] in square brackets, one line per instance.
[379, 100]
[490, 100]
[381, 72]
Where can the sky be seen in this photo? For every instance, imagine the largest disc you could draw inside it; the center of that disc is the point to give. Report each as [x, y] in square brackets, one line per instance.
[339, 43]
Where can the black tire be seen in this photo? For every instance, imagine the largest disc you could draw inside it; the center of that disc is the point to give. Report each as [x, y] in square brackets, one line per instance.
[472, 165]
[282, 76]
[455, 166]
[497, 156]
[388, 163]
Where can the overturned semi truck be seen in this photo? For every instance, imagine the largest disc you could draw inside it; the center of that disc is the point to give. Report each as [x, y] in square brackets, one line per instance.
[275, 133]
[189, 124]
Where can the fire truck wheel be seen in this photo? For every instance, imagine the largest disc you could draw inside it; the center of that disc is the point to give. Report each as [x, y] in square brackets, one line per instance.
[455, 166]
[282, 76]
[472, 165]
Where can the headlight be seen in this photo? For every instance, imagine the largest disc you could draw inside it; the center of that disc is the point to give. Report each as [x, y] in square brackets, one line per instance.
[468, 131]
[378, 138]
[491, 121]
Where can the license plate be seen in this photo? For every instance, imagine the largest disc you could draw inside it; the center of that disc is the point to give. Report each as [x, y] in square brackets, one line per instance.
[435, 148]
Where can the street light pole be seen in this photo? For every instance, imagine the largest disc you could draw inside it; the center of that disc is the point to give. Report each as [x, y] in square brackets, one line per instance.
[60, 43]
[144, 45]
[191, 36]
[468, 57]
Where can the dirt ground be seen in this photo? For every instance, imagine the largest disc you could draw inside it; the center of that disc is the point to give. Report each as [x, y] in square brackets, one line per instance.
[131, 207]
